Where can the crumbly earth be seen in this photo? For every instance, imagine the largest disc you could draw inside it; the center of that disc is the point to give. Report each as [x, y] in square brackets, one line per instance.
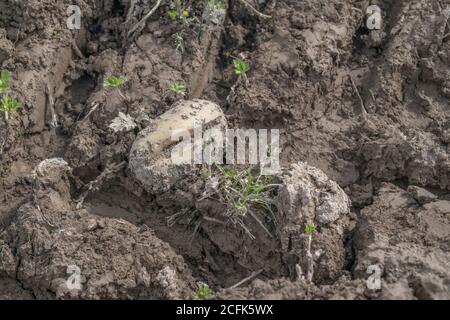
[365, 150]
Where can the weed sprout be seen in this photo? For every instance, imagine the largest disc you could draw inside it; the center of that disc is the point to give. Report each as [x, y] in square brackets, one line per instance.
[178, 88]
[242, 192]
[4, 81]
[240, 67]
[214, 12]
[203, 291]
[113, 81]
[117, 82]
[7, 104]
[179, 41]
[173, 14]
[309, 230]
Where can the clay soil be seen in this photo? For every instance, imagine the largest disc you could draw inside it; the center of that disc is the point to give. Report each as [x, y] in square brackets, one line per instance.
[370, 108]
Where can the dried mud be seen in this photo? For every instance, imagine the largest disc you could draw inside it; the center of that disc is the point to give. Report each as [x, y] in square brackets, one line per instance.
[384, 173]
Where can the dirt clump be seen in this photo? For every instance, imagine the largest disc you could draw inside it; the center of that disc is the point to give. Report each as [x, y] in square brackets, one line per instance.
[115, 259]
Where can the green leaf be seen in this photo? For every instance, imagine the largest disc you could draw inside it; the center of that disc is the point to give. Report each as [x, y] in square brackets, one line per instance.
[178, 88]
[214, 4]
[4, 81]
[113, 81]
[203, 291]
[310, 229]
[240, 67]
[172, 14]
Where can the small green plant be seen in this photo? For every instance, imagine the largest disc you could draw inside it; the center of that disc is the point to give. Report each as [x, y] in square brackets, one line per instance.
[4, 81]
[203, 291]
[8, 105]
[178, 10]
[178, 88]
[173, 14]
[243, 192]
[117, 82]
[310, 229]
[179, 41]
[240, 67]
[113, 81]
[214, 4]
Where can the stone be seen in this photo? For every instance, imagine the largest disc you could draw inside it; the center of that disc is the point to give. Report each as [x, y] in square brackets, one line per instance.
[308, 191]
[6, 46]
[421, 195]
[151, 154]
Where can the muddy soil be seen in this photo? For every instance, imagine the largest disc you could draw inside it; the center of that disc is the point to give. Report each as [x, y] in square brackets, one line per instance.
[364, 137]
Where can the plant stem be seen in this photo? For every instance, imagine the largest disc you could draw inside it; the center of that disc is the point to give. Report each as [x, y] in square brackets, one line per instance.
[309, 261]
[248, 5]
[141, 24]
[124, 98]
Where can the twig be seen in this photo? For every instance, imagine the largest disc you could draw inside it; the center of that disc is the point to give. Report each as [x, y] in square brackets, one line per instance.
[309, 261]
[94, 107]
[206, 218]
[248, 5]
[141, 24]
[250, 277]
[51, 104]
[260, 223]
[77, 50]
[363, 108]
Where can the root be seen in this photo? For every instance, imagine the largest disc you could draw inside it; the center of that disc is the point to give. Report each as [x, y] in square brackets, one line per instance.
[363, 107]
[96, 184]
[261, 15]
[260, 223]
[309, 261]
[51, 105]
[141, 24]
[94, 107]
[250, 277]
[77, 50]
[309, 265]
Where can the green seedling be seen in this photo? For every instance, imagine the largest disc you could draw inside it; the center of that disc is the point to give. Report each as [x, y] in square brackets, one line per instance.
[173, 14]
[4, 81]
[178, 88]
[243, 192]
[310, 229]
[240, 67]
[178, 10]
[117, 82]
[9, 105]
[214, 13]
[203, 291]
[113, 81]
[214, 4]
[179, 41]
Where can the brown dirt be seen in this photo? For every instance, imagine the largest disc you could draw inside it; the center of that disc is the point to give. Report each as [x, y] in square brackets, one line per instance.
[393, 162]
